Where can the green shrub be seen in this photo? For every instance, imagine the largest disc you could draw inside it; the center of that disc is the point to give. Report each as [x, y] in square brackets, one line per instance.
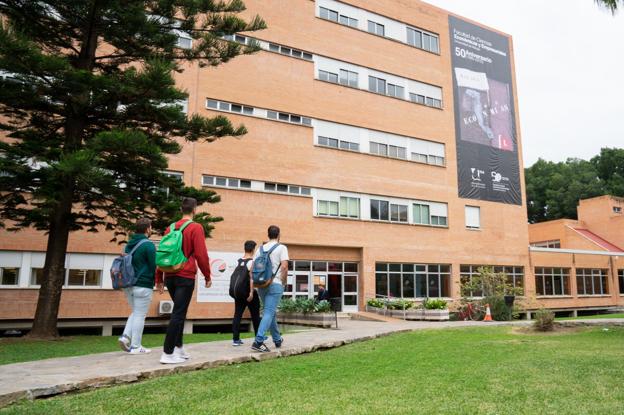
[434, 304]
[287, 305]
[499, 309]
[323, 306]
[376, 303]
[544, 320]
[400, 304]
[305, 305]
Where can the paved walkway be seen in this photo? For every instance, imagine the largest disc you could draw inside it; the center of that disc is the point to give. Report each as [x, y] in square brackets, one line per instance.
[49, 377]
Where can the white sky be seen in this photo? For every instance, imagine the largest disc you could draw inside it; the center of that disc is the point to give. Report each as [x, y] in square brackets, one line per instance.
[570, 70]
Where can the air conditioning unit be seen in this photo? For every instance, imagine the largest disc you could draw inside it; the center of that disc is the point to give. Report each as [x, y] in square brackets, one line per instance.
[165, 307]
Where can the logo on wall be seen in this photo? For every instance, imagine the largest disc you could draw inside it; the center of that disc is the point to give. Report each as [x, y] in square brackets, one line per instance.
[218, 266]
[485, 124]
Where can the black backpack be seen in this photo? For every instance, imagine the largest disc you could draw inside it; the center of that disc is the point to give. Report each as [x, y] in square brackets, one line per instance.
[239, 281]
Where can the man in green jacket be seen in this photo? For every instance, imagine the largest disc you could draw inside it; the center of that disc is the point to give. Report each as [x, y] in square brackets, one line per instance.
[140, 295]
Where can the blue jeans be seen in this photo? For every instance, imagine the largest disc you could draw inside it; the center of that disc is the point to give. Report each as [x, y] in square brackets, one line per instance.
[270, 297]
[139, 299]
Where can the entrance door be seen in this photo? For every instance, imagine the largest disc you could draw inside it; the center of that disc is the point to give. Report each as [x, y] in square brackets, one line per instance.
[350, 293]
[335, 286]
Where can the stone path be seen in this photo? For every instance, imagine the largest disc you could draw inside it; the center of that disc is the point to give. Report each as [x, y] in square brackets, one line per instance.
[49, 377]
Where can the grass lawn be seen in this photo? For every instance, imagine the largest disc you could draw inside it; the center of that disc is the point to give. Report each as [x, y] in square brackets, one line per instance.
[492, 370]
[13, 350]
[615, 315]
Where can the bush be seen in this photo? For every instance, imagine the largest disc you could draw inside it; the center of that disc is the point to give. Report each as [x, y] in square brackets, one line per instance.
[400, 305]
[323, 306]
[376, 303]
[287, 305]
[544, 320]
[435, 304]
[499, 310]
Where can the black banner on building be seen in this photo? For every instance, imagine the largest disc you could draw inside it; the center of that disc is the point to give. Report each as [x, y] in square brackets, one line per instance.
[485, 126]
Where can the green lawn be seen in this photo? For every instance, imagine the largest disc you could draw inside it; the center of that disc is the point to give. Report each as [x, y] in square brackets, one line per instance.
[615, 315]
[13, 350]
[454, 371]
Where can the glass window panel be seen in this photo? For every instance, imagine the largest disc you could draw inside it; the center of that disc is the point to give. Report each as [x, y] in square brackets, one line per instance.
[344, 145]
[333, 15]
[344, 20]
[426, 42]
[295, 118]
[306, 121]
[233, 182]
[323, 13]
[269, 187]
[381, 284]
[379, 266]
[305, 191]
[92, 277]
[9, 276]
[372, 84]
[334, 266]
[333, 208]
[284, 117]
[350, 300]
[350, 267]
[248, 110]
[332, 142]
[273, 47]
[402, 213]
[435, 47]
[323, 207]
[395, 267]
[322, 141]
[296, 53]
[319, 266]
[434, 285]
[225, 106]
[381, 86]
[272, 115]
[333, 78]
[350, 283]
[408, 285]
[282, 188]
[371, 26]
[307, 56]
[374, 209]
[383, 210]
[245, 183]
[301, 283]
[395, 285]
[213, 104]
[221, 181]
[76, 277]
[302, 266]
[294, 189]
[36, 276]
[421, 285]
[285, 51]
[417, 39]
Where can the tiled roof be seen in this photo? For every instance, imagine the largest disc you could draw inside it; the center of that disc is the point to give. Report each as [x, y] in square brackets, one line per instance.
[606, 245]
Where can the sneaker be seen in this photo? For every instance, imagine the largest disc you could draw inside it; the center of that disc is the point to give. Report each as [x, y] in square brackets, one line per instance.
[260, 347]
[124, 343]
[170, 359]
[140, 350]
[180, 352]
[237, 343]
[278, 343]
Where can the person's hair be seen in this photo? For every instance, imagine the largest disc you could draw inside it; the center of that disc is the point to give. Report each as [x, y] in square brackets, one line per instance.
[273, 232]
[188, 205]
[142, 225]
[250, 246]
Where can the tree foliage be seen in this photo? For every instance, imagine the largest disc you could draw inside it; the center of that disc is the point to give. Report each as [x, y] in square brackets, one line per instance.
[554, 189]
[612, 5]
[91, 112]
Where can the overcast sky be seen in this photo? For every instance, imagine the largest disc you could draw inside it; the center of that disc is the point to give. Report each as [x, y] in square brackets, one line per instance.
[570, 71]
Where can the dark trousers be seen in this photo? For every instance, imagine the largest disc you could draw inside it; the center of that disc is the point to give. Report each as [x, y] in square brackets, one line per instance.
[181, 292]
[239, 309]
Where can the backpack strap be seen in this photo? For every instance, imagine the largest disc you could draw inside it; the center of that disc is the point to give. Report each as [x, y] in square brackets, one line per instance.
[280, 262]
[187, 223]
[137, 246]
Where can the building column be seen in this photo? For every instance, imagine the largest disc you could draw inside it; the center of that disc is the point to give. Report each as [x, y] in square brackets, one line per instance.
[107, 329]
[366, 283]
[188, 327]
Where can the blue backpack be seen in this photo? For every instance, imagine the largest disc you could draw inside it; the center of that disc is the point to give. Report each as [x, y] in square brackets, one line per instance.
[122, 271]
[262, 271]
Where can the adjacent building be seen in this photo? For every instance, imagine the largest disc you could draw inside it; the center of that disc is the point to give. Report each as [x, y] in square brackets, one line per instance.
[383, 140]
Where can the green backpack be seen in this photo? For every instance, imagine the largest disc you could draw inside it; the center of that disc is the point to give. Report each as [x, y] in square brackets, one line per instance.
[169, 256]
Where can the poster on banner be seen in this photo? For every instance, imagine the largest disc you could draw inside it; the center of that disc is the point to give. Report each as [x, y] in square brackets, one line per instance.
[222, 266]
[488, 166]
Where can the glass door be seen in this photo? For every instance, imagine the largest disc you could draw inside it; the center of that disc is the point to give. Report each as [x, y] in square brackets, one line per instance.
[302, 285]
[318, 279]
[350, 292]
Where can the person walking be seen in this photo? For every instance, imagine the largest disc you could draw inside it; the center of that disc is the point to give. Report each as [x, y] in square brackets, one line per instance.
[244, 294]
[181, 284]
[272, 293]
[139, 296]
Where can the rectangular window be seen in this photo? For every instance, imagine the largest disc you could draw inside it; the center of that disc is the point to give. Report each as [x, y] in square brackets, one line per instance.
[83, 277]
[327, 208]
[328, 76]
[552, 281]
[348, 78]
[377, 85]
[621, 280]
[396, 91]
[417, 98]
[379, 210]
[414, 37]
[617, 209]
[350, 207]
[412, 280]
[348, 21]
[473, 217]
[421, 214]
[36, 276]
[397, 152]
[9, 276]
[185, 41]
[398, 213]
[591, 281]
[555, 243]
[376, 28]
[220, 181]
[378, 148]
[211, 103]
[328, 14]
[419, 158]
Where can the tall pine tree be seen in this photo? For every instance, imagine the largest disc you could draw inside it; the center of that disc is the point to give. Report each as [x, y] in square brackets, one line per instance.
[90, 111]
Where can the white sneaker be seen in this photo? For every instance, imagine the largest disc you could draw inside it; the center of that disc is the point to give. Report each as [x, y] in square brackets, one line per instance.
[170, 359]
[180, 352]
[124, 343]
[139, 350]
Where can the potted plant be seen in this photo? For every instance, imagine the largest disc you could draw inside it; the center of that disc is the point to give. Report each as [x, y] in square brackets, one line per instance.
[305, 311]
[375, 305]
[436, 309]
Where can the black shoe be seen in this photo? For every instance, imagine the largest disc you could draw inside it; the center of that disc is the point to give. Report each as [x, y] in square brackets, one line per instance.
[278, 343]
[260, 347]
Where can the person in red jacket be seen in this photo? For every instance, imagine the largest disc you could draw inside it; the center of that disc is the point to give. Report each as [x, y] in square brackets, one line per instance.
[182, 283]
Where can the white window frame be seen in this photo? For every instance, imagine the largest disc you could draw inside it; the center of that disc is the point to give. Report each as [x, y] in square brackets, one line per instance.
[473, 217]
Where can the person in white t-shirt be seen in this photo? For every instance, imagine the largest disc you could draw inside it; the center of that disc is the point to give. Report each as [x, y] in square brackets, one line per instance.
[272, 294]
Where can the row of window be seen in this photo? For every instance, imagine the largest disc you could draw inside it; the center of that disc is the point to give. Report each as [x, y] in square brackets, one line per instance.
[414, 37]
[412, 280]
[555, 243]
[234, 183]
[226, 182]
[515, 275]
[272, 115]
[556, 281]
[73, 277]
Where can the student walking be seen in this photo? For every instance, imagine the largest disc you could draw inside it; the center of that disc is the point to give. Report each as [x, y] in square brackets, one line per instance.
[140, 294]
[271, 293]
[244, 294]
[181, 251]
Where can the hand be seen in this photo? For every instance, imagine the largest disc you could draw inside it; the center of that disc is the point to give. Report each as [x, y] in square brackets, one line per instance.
[208, 283]
[160, 287]
[250, 298]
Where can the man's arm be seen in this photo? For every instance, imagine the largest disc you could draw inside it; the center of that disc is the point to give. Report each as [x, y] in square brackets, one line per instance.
[201, 252]
[284, 272]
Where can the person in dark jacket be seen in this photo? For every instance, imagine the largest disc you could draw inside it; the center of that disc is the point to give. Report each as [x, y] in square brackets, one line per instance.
[323, 294]
[140, 295]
